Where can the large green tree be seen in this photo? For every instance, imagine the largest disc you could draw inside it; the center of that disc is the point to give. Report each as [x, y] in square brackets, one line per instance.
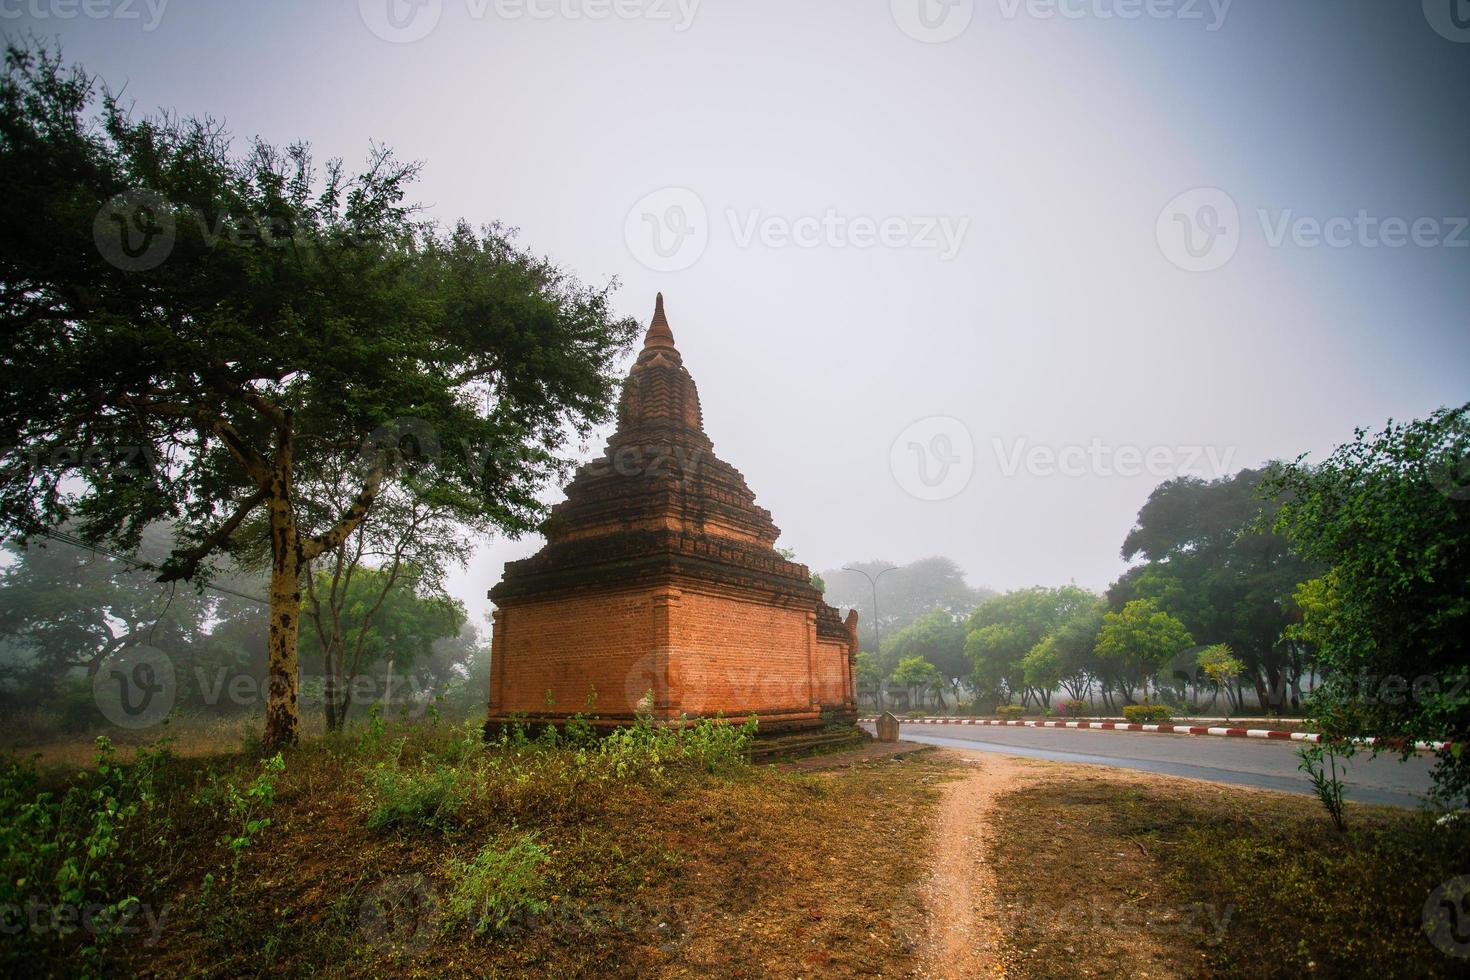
[1066, 657]
[938, 636]
[1390, 513]
[231, 318]
[1212, 560]
[918, 677]
[1003, 630]
[1141, 638]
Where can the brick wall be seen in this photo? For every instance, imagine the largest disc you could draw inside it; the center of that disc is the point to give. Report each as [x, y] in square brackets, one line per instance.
[736, 656]
[701, 654]
[571, 646]
[832, 670]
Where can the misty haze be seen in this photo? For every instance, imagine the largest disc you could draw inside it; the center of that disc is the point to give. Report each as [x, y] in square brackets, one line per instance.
[934, 488]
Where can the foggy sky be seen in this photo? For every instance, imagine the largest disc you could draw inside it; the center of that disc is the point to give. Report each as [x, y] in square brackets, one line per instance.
[1047, 145]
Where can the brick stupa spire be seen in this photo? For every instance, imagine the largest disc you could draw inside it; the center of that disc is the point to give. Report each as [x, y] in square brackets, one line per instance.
[660, 574]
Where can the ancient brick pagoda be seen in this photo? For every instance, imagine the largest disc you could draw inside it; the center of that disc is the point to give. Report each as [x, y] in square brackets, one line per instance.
[660, 576]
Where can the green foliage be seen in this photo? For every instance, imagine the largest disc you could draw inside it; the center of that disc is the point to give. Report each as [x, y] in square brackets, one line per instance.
[645, 748]
[297, 320]
[496, 885]
[1010, 712]
[1319, 762]
[72, 849]
[1141, 638]
[868, 672]
[1219, 664]
[246, 809]
[1146, 714]
[937, 637]
[1002, 631]
[915, 672]
[1221, 668]
[429, 794]
[1214, 563]
[1390, 513]
[904, 594]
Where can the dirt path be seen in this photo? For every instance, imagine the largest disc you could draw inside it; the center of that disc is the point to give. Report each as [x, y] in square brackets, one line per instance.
[964, 922]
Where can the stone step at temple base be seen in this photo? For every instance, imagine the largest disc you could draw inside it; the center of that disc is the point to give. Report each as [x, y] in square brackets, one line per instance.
[781, 748]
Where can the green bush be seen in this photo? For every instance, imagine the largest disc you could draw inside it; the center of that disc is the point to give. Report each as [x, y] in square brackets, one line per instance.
[1146, 713]
[646, 748]
[1010, 711]
[487, 891]
[72, 849]
[426, 795]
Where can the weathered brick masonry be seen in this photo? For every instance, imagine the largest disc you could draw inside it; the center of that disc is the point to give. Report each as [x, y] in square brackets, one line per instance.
[660, 575]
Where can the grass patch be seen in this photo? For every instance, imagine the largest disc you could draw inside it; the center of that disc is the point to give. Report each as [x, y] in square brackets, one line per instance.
[421, 850]
[1122, 873]
[497, 884]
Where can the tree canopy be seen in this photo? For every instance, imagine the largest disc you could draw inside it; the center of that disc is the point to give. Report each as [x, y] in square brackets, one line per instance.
[1213, 561]
[1390, 513]
[188, 329]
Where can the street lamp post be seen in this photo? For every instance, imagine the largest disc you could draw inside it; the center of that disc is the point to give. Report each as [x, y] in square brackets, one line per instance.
[877, 630]
[873, 581]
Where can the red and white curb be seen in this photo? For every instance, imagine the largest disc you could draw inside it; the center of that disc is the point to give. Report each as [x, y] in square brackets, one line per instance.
[1128, 726]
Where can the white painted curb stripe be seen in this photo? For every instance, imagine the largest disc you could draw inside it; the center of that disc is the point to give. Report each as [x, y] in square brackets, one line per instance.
[1168, 729]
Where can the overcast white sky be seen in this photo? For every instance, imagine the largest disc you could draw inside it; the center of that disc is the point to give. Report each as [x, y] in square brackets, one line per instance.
[996, 266]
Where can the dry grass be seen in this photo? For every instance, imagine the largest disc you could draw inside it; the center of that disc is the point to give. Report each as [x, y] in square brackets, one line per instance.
[759, 873]
[1119, 874]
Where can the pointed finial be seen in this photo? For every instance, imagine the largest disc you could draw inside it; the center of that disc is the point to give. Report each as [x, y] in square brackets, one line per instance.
[659, 334]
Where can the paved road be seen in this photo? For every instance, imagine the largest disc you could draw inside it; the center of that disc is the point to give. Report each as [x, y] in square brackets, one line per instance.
[1246, 761]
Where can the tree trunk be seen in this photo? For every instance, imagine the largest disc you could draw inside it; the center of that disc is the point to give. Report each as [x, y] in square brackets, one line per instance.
[282, 719]
[329, 685]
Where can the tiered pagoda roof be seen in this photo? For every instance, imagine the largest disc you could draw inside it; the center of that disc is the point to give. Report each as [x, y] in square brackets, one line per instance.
[659, 504]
